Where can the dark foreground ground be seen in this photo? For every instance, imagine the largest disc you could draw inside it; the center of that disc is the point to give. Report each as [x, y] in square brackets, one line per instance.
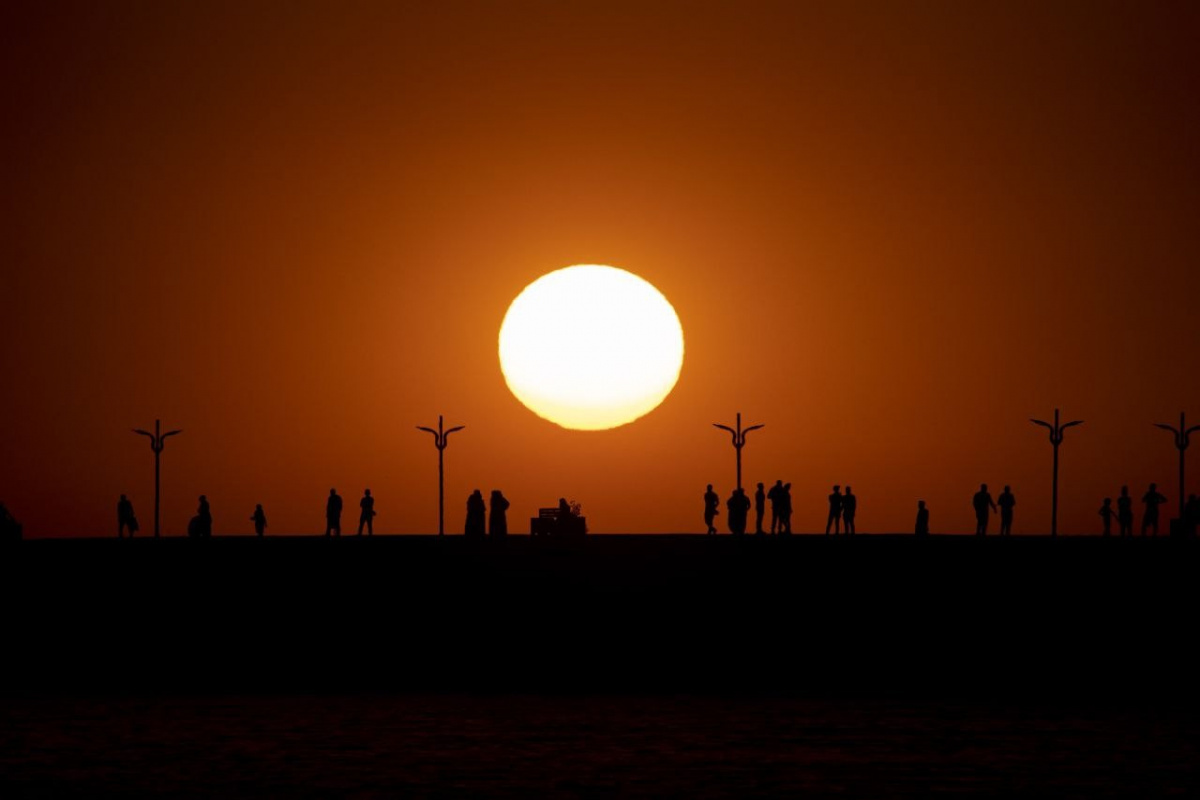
[617, 666]
[813, 616]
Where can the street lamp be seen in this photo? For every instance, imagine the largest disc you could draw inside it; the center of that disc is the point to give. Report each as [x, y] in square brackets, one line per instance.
[1183, 435]
[739, 441]
[1056, 438]
[157, 440]
[440, 438]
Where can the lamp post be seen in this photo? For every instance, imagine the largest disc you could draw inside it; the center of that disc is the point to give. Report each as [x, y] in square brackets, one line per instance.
[1056, 438]
[440, 438]
[1183, 435]
[739, 441]
[157, 441]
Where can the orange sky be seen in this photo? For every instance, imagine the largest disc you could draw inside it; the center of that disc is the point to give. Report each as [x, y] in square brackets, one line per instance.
[892, 233]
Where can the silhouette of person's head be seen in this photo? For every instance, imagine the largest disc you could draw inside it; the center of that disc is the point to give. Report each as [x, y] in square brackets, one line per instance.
[1153, 486]
[920, 504]
[787, 486]
[836, 488]
[779, 482]
[710, 487]
[1007, 487]
[367, 492]
[332, 492]
[847, 489]
[1124, 490]
[983, 487]
[203, 499]
[759, 486]
[258, 506]
[122, 497]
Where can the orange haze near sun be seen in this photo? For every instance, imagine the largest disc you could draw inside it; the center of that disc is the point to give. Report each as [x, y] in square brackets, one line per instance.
[892, 233]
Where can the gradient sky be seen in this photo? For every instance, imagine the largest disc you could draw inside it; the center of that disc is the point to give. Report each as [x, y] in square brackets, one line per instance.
[892, 232]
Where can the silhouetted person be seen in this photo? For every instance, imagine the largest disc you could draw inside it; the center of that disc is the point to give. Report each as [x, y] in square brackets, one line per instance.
[738, 506]
[922, 526]
[497, 521]
[712, 505]
[1107, 513]
[775, 495]
[849, 509]
[1125, 512]
[760, 507]
[982, 501]
[786, 510]
[476, 527]
[259, 518]
[835, 511]
[1152, 500]
[333, 513]
[1191, 515]
[125, 518]
[366, 514]
[1006, 501]
[204, 514]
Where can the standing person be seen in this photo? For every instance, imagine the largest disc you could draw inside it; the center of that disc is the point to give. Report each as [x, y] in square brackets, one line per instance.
[835, 511]
[333, 513]
[712, 505]
[739, 507]
[760, 506]
[1152, 499]
[1006, 501]
[785, 522]
[775, 495]
[260, 520]
[849, 509]
[125, 518]
[1106, 514]
[498, 521]
[982, 501]
[476, 527]
[1125, 512]
[922, 526]
[204, 514]
[367, 514]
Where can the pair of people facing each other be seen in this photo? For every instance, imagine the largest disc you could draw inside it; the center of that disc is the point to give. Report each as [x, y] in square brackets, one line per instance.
[477, 513]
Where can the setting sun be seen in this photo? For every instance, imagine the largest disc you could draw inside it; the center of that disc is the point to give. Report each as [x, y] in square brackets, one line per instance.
[591, 347]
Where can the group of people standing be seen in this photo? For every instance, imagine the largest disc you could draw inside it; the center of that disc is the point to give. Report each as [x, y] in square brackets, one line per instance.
[738, 507]
[477, 513]
[1151, 500]
[983, 504]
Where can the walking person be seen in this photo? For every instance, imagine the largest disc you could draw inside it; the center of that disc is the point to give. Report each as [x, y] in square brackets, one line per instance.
[497, 518]
[1152, 499]
[125, 518]
[259, 518]
[1125, 512]
[760, 507]
[982, 502]
[333, 513]
[1006, 501]
[849, 509]
[835, 511]
[712, 505]
[367, 513]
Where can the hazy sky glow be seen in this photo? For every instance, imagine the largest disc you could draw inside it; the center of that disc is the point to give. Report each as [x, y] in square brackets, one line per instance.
[892, 233]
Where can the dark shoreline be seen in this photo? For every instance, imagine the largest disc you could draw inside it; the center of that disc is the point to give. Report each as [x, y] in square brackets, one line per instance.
[1081, 617]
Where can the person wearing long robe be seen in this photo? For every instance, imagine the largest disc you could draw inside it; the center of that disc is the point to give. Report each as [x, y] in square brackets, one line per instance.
[476, 516]
[497, 519]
